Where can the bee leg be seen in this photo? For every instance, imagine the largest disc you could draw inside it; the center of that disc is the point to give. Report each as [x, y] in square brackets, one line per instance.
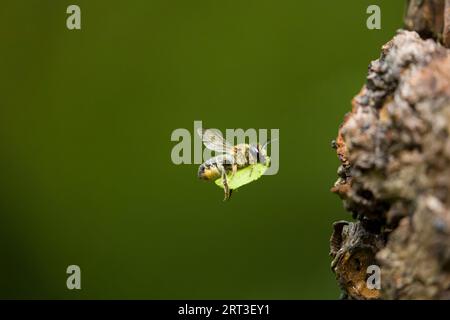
[251, 171]
[234, 169]
[226, 188]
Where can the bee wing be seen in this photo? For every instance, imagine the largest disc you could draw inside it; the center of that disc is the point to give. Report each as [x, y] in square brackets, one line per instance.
[213, 140]
[221, 159]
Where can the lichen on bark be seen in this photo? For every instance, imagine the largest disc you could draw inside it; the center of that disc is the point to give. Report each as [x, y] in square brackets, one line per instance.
[394, 149]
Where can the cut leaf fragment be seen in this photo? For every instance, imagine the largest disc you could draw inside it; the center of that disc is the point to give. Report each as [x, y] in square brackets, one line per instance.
[244, 176]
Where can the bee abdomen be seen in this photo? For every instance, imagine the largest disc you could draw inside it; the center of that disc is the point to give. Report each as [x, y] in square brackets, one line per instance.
[208, 172]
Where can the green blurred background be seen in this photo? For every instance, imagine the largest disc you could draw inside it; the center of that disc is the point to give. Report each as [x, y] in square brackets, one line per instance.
[85, 124]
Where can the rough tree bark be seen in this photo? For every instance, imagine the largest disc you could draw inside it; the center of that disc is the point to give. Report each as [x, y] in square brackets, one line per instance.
[394, 149]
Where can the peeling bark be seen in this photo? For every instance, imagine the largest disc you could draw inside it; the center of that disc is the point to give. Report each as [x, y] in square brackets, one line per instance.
[394, 149]
[429, 18]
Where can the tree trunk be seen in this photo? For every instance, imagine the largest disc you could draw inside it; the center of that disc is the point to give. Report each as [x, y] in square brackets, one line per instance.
[394, 148]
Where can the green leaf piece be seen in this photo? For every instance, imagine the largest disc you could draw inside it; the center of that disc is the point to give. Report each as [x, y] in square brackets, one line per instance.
[244, 176]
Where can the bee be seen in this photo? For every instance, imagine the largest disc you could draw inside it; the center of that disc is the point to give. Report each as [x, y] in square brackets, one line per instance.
[231, 159]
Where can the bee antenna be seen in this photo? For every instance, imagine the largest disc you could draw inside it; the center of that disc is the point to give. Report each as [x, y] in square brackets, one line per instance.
[268, 142]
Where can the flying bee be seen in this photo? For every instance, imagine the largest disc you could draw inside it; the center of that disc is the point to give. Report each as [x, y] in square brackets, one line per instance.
[231, 159]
